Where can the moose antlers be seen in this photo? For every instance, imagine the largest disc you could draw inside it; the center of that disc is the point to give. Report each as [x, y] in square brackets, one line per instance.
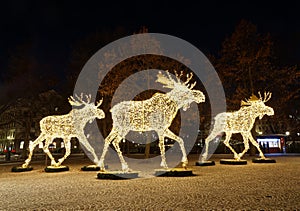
[169, 82]
[267, 96]
[253, 98]
[80, 101]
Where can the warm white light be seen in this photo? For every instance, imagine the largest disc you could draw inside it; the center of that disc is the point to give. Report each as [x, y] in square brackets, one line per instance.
[287, 133]
[240, 121]
[11, 135]
[260, 133]
[21, 144]
[66, 127]
[156, 113]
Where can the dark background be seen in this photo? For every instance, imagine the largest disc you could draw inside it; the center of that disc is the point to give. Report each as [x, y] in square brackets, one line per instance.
[54, 27]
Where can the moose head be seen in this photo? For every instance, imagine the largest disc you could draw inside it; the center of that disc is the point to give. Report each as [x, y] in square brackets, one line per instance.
[89, 110]
[182, 92]
[258, 104]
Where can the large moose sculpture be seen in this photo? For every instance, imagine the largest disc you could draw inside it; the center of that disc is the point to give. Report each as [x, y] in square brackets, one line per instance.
[242, 122]
[66, 127]
[156, 113]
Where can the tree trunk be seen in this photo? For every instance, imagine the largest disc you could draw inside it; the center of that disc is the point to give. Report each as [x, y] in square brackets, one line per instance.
[147, 147]
[26, 139]
[128, 148]
[252, 150]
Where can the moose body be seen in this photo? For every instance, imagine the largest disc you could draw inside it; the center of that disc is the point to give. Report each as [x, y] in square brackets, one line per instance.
[67, 126]
[156, 113]
[231, 121]
[242, 122]
[49, 125]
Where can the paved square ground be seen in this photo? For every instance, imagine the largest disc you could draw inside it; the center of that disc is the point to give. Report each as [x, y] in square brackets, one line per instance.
[220, 187]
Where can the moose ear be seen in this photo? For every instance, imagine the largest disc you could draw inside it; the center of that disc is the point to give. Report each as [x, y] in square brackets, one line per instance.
[243, 103]
[253, 98]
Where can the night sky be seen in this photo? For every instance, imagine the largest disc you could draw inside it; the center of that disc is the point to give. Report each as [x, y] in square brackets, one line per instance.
[54, 26]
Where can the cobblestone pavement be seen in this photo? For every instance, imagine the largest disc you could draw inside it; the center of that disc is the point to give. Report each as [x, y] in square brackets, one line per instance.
[220, 187]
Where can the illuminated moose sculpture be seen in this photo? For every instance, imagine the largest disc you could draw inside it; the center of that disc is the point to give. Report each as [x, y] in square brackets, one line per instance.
[66, 127]
[156, 113]
[240, 121]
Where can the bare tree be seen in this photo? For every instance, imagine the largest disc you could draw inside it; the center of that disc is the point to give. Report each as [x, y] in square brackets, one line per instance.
[247, 64]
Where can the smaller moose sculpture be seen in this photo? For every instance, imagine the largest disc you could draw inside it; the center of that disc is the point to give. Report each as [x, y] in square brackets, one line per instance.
[240, 121]
[66, 127]
[156, 113]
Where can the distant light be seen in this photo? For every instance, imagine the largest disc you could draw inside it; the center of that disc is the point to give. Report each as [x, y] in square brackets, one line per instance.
[21, 144]
[260, 132]
[287, 133]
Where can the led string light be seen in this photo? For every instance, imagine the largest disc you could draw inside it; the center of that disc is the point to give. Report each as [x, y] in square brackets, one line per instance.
[156, 113]
[67, 126]
[242, 122]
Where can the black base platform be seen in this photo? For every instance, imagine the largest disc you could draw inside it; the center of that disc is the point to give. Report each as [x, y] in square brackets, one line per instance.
[117, 175]
[174, 172]
[21, 169]
[263, 160]
[56, 168]
[233, 162]
[205, 163]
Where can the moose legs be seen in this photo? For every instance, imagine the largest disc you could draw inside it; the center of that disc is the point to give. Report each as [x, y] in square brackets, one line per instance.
[67, 143]
[171, 135]
[116, 138]
[83, 140]
[226, 142]
[248, 137]
[48, 141]
[246, 144]
[205, 154]
[107, 141]
[116, 143]
[207, 141]
[261, 154]
[32, 145]
[45, 148]
[161, 145]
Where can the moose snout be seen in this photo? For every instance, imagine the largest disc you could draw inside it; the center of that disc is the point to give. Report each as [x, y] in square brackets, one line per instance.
[199, 96]
[100, 114]
[270, 111]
